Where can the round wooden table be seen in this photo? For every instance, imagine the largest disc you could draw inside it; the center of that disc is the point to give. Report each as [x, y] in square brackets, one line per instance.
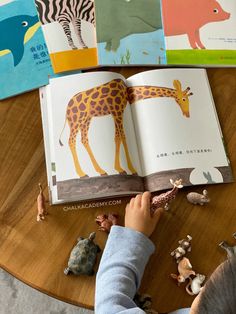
[37, 253]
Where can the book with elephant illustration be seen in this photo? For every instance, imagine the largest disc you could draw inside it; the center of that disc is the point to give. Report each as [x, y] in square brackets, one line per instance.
[24, 58]
[106, 135]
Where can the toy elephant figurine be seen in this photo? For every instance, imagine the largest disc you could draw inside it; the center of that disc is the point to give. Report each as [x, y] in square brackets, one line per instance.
[231, 250]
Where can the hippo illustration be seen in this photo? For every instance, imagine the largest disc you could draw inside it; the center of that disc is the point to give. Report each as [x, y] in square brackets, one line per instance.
[117, 19]
[187, 17]
[12, 33]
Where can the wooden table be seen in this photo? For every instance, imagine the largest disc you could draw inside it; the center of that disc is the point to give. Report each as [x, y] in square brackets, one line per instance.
[37, 253]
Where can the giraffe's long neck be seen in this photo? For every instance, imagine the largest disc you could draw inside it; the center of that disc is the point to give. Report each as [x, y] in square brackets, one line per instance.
[136, 93]
[171, 194]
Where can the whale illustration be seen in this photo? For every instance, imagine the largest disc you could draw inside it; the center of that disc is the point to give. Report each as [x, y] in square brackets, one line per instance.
[12, 33]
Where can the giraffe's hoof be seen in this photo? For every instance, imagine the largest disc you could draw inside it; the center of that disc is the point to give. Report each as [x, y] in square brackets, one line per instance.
[85, 176]
[134, 174]
[104, 174]
[123, 172]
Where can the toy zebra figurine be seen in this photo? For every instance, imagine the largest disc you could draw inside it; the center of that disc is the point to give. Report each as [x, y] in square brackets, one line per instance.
[164, 199]
[66, 12]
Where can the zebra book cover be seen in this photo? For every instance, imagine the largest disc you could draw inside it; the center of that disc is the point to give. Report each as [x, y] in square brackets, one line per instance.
[69, 30]
[106, 135]
[24, 58]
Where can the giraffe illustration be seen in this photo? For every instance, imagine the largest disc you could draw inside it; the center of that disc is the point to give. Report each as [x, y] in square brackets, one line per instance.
[164, 199]
[137, 93]
[111, 99]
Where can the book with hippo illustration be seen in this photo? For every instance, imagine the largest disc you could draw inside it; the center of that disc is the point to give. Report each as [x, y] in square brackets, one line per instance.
[24, 59]
[106, 135]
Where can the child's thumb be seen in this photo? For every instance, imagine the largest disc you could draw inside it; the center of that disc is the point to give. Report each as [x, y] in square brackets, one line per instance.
[157, 214]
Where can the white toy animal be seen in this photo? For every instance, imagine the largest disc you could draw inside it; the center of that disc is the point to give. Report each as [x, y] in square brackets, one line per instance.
[195, 284]
[197, 198]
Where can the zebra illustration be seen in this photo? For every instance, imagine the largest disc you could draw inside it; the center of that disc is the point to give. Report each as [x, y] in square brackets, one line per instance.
[66, 12]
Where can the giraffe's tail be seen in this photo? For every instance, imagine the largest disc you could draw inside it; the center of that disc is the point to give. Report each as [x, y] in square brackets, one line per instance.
[60, 142]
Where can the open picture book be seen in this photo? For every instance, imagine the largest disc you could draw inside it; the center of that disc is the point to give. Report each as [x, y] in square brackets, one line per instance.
[89, 33]
[106, 135]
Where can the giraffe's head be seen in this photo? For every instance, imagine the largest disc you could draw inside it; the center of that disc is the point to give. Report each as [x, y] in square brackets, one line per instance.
[181, 97]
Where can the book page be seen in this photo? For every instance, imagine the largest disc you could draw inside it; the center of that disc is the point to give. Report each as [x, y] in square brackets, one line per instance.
[129, 32]
[70, 33]
[200, 32]
[93, 136]
[176, 126]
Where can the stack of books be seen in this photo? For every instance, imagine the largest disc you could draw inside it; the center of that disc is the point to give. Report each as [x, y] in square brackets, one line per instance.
[121, 136]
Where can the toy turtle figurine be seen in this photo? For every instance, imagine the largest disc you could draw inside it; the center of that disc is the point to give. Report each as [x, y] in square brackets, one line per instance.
[83, 256]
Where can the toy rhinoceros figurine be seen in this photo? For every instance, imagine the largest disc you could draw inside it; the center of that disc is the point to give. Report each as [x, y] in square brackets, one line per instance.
[197, 198]
[83, 256]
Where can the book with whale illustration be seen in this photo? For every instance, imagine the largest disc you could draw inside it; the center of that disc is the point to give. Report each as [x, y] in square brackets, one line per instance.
[106, 135]
[84, 34]
[24, 59]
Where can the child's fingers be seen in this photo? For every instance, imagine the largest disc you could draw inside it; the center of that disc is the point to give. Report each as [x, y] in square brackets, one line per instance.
[137, 200]
[131, 203]
[146, 200]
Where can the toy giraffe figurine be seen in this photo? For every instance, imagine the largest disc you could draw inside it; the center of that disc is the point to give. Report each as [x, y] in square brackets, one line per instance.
[164, 199]
[111, 98]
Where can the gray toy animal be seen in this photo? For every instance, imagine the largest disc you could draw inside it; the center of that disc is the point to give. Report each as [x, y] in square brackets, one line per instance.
[196, 198]
[231, 250]
[83, 256]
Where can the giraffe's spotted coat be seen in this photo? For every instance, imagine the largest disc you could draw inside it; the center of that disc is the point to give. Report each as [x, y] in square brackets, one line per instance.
[110, 98]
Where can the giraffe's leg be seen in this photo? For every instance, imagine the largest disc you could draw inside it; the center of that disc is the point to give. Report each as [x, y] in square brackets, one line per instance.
[123, 139]
[78, 31]
[66, 27]
[85, 142]
[117, 165]
[72, 144]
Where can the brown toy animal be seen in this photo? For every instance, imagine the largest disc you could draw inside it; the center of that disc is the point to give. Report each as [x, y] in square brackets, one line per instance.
[42, 212]
[105, 221]
[185, 270]
[182, 249]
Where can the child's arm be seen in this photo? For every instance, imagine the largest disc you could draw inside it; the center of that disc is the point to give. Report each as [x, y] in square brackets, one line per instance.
[124, 259]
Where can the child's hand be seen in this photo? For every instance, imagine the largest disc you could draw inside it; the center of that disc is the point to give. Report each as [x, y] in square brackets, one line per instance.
[138, 215]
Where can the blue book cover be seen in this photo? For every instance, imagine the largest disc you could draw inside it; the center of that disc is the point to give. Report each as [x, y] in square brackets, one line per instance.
[24, 58]
[130, 32]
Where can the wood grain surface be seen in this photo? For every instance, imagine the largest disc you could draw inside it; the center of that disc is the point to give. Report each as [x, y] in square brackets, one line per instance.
[37, 253]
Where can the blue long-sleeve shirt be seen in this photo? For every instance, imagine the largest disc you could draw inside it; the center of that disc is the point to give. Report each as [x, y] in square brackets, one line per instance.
[120, 272]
